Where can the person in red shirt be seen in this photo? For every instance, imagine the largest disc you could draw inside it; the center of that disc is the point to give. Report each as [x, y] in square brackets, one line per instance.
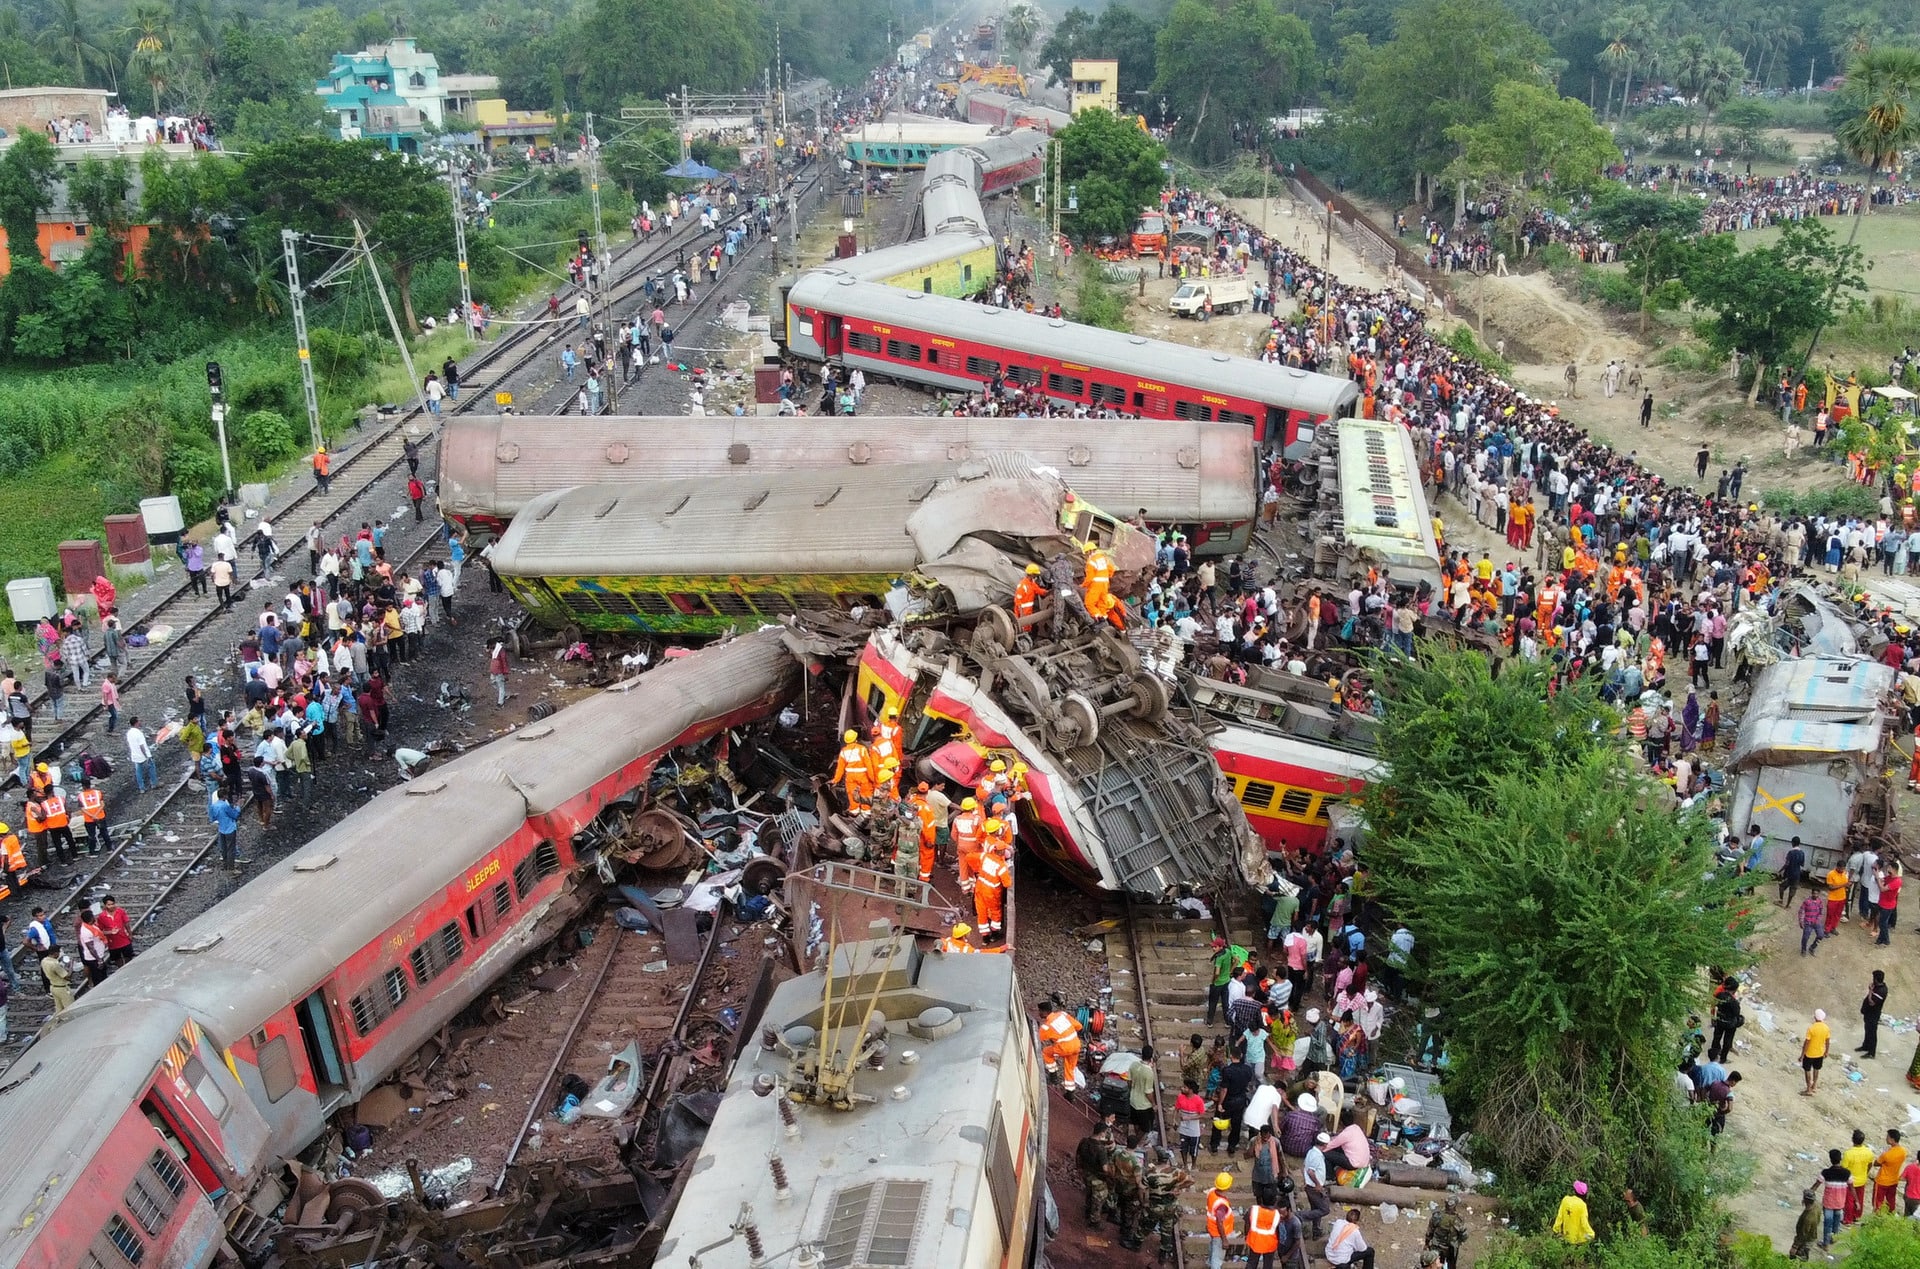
[116, 929]
[416, 493]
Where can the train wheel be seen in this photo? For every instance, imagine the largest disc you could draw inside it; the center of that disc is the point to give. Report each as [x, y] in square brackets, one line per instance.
[1025, 682]
[1119, 656]
[1074, 722]
[358, 1197]
[1151, 698]
[993, 633]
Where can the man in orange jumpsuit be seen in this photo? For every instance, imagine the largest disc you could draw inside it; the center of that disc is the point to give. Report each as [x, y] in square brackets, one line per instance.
[989, 888]
[966, 833]
[1098, 584]
[929, 833]
[887, 729]
[957, 941]
[889, 781]
[1060, 1044]
[854, 772]
[1028, 594]
[993, 783]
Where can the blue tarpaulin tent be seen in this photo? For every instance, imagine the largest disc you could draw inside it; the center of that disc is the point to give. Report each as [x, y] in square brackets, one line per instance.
[690, 170]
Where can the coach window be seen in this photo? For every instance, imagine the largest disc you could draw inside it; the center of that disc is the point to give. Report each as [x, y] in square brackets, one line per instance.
[933, 356]
[1107, 394]
[1066, 385]
[118, 1243]
[966, 273]
[1192, 410]
[903, 350]
[440, 952]
[1296, 802]
[650, 603]
[1025, 376]
[728, 604]
[860, 341]
[275, 1060]
[1236, 416]
[690, 604]
[543, 862]
[926, 285]
[982, 367]
[1257, 795]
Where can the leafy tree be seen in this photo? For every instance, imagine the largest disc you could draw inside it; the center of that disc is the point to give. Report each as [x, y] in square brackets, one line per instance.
[150, 31]
[1629, 36]
[69, 38]
[1114, 169]
[651, 47]
[261, 69]
[1559, 904]
[99, 188]
[1119, 33]
[1655, 233]
[1743, 120]
[1769, 297]
[1437, 73]
[27, 172]
[1533, 139]
[1241, 65]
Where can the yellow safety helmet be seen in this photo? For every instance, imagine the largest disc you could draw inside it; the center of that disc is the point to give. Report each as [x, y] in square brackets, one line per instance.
[851, 736]
[1089, 546]
[5, 829]
[998, 764]
[969, 804]
[1224, 1181]
[893, 711]
[994, 826]
[889, 763]
[1033, 570]
[42, 768]
[1019, 768]
[962, 930]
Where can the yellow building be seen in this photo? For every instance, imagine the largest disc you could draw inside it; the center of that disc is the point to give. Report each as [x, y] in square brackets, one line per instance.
[1096, 83]
[512, 129]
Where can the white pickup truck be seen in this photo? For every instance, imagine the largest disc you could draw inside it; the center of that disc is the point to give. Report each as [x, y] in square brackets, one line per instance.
[1230, 295]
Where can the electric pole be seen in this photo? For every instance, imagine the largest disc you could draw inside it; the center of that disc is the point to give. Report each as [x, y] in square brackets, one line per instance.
[393, 323]
[460, 244]
[289, 241]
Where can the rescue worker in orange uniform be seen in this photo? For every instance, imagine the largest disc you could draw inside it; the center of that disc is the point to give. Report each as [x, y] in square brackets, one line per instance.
[889, 781]
[1263, 1236]
[37, 829]
[1028, 594]
[1219, 1220]
[992, 783]
[39, 782]
[989, 888]
[965, 831]
[1098, 586]
[854, 772]
[929, 832]
[882, 749]
[53, 811]
[886, 728]
[957, 941]
[14, 860]
[93, 813]
[1060, 1044]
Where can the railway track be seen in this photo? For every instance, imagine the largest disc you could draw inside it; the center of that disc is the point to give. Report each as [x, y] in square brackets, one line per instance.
[1161, 970]
[141, 869]
[360, 467]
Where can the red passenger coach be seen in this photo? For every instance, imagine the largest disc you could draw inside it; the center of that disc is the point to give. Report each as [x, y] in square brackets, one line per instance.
[961, 346]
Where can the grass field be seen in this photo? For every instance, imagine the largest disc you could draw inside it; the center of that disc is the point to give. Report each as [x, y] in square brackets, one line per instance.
[1890, 236]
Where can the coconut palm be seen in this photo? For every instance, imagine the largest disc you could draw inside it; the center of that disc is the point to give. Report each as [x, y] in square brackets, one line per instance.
[1020, 25]
[149, 26]
[1882, 116]
[68, 39]
[1725, 72]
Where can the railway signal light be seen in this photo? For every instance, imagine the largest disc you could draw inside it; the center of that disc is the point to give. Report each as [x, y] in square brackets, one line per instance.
[213, 379]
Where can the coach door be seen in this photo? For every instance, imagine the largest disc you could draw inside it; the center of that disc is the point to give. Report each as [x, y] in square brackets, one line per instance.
[323, 1053]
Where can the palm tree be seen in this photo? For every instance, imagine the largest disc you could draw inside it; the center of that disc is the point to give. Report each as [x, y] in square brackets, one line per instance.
[1627, 32]
[1020, 25]
[1725, 72]
[67, 39]
[149, 27]
[1690, 62]
[1882, 115]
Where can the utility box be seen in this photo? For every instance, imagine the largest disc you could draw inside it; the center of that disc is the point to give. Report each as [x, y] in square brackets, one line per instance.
[81, 560]
[163, 519]
[31, 599]
[127, 540]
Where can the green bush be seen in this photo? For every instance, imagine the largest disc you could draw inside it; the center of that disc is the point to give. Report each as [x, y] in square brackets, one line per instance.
[335, 354]
[566, 181]
[267, 438]
[1848, 499]
[1463, 342]
[194, 475]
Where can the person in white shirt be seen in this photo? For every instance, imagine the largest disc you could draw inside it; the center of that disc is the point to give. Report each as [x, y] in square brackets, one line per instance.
[146, 772]
[447, 582]
[1346, 1245]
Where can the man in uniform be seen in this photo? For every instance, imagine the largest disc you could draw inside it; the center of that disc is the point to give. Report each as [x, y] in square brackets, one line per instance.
[906, 843]
[992, 784]
[887, 728]
[1091, 1156]
[889, 779]
[923, 818]
[1060, 1043]
[966, 831]
[854, 772]
[885, 746]
[1127, 1182]
[93, 812]
[1098, 586]
[1164, 1181]
[989, 887]
[1219, 1220]
[1028, 593]
[956, 941]
[1447, 1232]
[53, 812]
[1062, 577]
